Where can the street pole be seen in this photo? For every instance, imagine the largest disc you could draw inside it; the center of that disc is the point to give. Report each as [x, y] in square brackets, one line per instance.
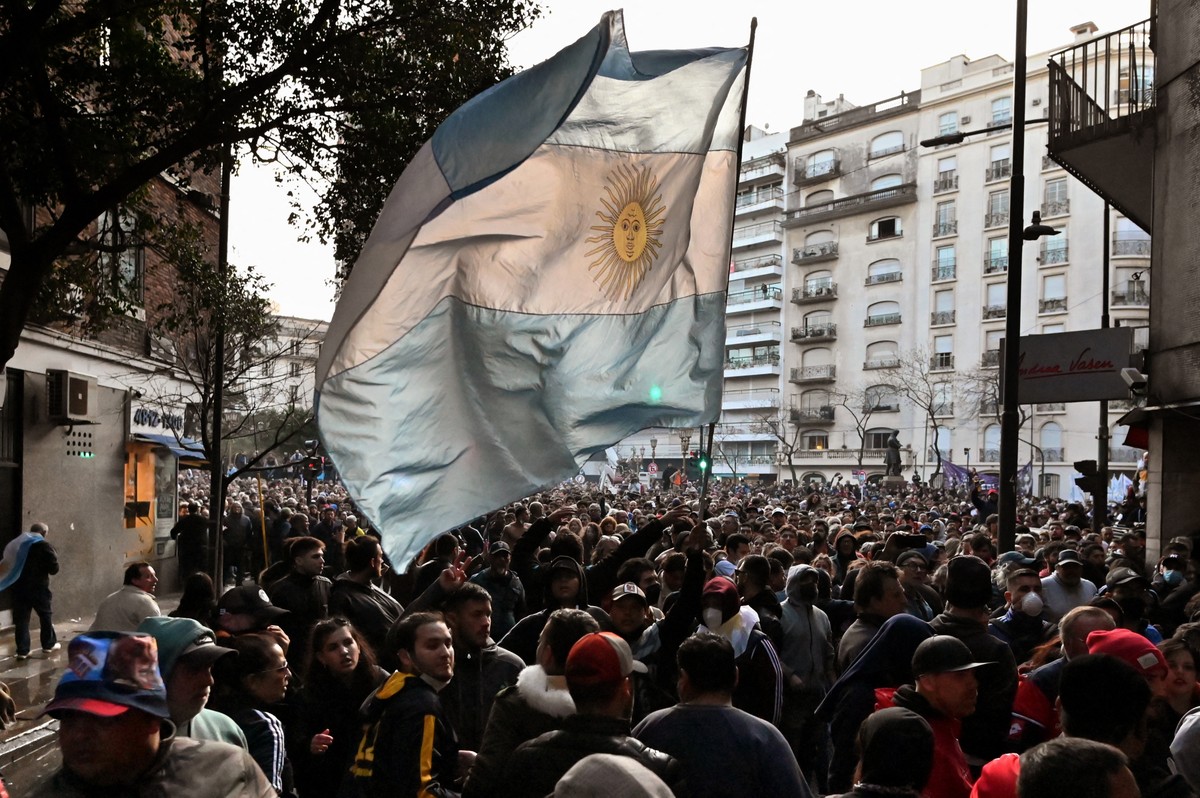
[1100, 499]
[216, 494]
[1009, 419]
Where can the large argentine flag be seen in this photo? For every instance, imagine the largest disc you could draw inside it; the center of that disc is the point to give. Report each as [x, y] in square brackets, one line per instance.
[547, 277]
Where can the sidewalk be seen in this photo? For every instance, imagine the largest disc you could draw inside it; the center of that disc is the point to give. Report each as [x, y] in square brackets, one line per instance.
[28, 751]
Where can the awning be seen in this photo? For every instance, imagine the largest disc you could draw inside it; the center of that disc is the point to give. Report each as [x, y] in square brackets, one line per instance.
[183, 448]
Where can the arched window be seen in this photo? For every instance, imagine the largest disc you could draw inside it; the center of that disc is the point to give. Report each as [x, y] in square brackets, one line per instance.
[821, 356]
[881, 354]
[886, 181]
[887, 143]
[1002, 111]
[821, 163]
[819, 237]
[818, 318]
[1051, 441]
[882, 399]
[887, 227]
[818, 198]
[884, 271]
[991, 444]
[817, 280]
[815, 400]
[814, 440]
[883, 313]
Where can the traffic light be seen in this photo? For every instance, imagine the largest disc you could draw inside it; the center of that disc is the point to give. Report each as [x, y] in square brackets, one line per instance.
[313, 466]
[692, 459]
[1091, 482]
[702, 463]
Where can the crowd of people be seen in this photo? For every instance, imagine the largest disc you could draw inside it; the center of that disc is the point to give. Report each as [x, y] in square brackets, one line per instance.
[838, 641]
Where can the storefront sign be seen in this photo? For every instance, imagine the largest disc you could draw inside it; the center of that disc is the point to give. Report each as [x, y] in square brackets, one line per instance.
[1075, 366]
[147, 419]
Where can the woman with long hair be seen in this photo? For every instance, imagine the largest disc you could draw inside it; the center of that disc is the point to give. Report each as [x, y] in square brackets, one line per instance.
[247, 687]
[340, 671]
[199, 599]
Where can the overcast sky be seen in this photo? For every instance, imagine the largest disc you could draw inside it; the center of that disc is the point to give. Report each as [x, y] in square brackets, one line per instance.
[867, 50]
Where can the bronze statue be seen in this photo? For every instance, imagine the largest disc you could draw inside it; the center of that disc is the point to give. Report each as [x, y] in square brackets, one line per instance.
[891, 455]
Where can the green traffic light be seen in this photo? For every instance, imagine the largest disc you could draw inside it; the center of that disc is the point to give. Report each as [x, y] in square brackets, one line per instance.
[703, 464]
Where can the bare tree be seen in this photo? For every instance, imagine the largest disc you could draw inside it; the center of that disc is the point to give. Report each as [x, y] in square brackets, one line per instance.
[859, 404]
[787, 435]
[926, 381]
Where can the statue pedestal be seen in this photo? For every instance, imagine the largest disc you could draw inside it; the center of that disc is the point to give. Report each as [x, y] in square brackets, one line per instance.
[893, 484]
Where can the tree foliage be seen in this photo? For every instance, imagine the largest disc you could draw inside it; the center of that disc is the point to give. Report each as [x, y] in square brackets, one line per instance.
[100, 97]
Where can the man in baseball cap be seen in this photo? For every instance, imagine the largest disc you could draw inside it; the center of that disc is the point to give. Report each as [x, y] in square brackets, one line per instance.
[945, 692]
[187, 652]
[1066, 589]
[246, 608]
[115, 735]
[598, 678]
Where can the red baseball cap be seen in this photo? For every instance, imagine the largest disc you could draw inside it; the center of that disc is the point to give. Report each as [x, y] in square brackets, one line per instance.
[600, 658]
[1130, 647]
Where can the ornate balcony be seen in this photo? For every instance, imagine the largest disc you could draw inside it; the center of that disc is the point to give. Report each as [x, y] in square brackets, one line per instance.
[940, 317]
[999, 219]
[859, 203]
[805, 174]
[990, 359]
[882, 319]
[995, 311]
[942, 229]
[770, 262]
[755, 234]
[813, 333]
[1053, 454]
[811, 374]
[1055, 305]
[994, 264]
[823, 292]
[945, 181]
[812, 415]
[1053, 254]
[886, 277]
[999, 170]
[802, 256]
[881, 363]
[1131, 294]
[991, 455]
[1060, 208]
[941, 411]
[1049, 163]
[1131, 247]
[944, 271]
[941, 361]
[1051, 407]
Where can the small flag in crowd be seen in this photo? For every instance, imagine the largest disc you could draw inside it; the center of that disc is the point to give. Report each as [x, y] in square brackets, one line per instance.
[547, 277]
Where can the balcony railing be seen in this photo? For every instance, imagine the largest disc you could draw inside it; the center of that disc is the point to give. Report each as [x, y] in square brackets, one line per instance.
[994, 264]
[939, 317]
[755, 295]
[1050, 255]
[881, 363]
[990, 359]
[813, 374]
[757, 230]
[815, 332]
[945, 181]
[1055, 305]
[945, 228]
[882, 319]
[761, 397]
[944, 409]
[886, 277]
[999, 219]
[768, 328]
[766, 166]
[1133, 293]
[944, 271]
[815, 253]
[1124, 454]
[814, 293]
[892, 106]
[991, 455]
[763, 262]
[1051, 407]
[883, 406]
[999, 170]
[758, 197]
[1053, 454]
[1057, 208]
[995, 311]
[812, 415]
[941, 361]
[882, 198]
[750, 361]
[1125, 247]
[806, 173]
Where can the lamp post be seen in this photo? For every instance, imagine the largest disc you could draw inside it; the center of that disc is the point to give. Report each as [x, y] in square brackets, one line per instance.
[967, 452]
[685, 437]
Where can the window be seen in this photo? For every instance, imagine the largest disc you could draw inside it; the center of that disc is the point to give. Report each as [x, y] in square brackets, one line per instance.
[996, 295]
[996, 259]
[1001, 153]
[884, 271]
[882, 399]
[1056, 190]
[1001, 165]
[1049, 484]
[883, 313]
[814, 440]
[818, 238]
[268, 368]
[945, 259]
[991, 443]
[821, 163]
[887, 143]
[124, 259]
[293, 369]
[814, 401]
[1051, 436]
[945, 220]
[886, 181]
[818, 280]
[947, 165]
[881, 354]
[293, 393]
[885, 228]
[1054, 286]
[818, 198]
[997, 213]
[943, 307]
[1130, 239]
[942, 437]
[821, 356]
[948, 123]
[943, 352]
[943, 405]
[877, 438]
[1002, 111]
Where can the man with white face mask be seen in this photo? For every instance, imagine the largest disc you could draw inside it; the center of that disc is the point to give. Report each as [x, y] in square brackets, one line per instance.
[1022, 622]
[760, 682]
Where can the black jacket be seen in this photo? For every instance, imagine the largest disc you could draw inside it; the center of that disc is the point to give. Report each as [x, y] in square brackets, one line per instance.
[41, 563]
[522, 639]
[478, 677]
[371, 610]
[536, 766]
[307, 600]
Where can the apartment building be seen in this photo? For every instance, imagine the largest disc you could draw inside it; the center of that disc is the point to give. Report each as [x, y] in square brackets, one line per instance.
[868, 286]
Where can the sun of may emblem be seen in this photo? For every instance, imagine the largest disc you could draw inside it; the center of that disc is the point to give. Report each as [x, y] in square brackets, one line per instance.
[628, 236]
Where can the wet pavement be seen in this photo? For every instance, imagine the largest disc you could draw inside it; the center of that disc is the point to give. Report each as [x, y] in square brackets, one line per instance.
[28, 748]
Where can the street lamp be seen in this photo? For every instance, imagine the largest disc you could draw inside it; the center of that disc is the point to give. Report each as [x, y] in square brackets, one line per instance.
[967, 452]
[653, 447]
[685, 437]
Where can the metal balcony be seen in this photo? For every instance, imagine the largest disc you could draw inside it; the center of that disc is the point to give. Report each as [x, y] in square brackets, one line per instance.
[991, 455]
[940, 317]
[1102, 117]
[761, 233]
[816, 253]
[812, 415]
[1131, 294]
[882, 319]
[762, 199]
[941, 361]
[859, 203]
[750, 399]
[763, 262]
[941, 229]
[763, 168]
[1059, 208]
[1051, 407]
[1053, 454]
[881, 363]
[886, 277]
[945, 181]
[752, 361]
[944, 271]
[995, 311]
[1053, 254]
[994, 264]
[754, 299]
[999, 170]
[942, 410]
[1130, 247]
[805, 174]
[753, 333]
[814, 332]
[824, 292]
[990, 359]
[811, 374]
[999, 219]
[1055, 305]
[1124, 454]
[863, 115]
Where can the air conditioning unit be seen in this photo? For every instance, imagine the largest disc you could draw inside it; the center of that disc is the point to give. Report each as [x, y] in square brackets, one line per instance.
[966, 120]
[70, 397]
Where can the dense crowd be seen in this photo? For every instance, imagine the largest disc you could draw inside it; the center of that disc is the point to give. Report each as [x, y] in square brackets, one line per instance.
[839, 640]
